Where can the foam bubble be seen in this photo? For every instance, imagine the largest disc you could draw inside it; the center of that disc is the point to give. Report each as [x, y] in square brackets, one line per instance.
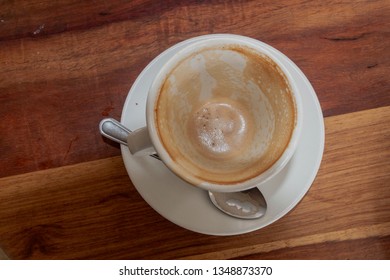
[220, 128]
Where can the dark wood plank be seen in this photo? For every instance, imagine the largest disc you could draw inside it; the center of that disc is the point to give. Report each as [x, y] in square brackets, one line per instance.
[40, 18]
[64, 65]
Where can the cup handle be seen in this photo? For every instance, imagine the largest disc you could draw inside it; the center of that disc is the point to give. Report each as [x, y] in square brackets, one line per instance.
[139, 142]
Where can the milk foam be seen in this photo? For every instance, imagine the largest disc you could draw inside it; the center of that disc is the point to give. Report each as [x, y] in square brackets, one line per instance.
[220, 128]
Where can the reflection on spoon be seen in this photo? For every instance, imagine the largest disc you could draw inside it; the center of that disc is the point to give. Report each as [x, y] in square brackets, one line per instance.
[249, 204]
[244, 206]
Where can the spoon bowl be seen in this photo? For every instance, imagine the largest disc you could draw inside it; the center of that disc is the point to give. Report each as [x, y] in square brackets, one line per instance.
[248, 204]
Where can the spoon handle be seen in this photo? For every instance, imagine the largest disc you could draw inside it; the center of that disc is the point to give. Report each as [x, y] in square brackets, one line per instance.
[114, 130]
[117, 132]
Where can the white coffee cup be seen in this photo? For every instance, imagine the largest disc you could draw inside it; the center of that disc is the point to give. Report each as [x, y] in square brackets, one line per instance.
[223, 114]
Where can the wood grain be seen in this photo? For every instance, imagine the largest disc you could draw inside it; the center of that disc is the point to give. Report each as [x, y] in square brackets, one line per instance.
[92, 211]
[318, 240]
[66, 64]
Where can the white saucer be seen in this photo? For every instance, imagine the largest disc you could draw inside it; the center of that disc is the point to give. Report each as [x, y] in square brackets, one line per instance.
[190, 207]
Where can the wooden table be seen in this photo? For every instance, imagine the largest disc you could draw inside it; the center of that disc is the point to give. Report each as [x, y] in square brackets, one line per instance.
[65, 65]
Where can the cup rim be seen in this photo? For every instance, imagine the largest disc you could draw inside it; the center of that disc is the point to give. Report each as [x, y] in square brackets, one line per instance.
[153, 94]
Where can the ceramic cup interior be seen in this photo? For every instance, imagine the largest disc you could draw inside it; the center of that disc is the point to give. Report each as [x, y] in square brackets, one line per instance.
[224, 115]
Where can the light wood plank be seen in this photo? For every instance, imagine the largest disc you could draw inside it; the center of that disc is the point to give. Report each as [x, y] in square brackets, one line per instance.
[376, 231]
[91, 210]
